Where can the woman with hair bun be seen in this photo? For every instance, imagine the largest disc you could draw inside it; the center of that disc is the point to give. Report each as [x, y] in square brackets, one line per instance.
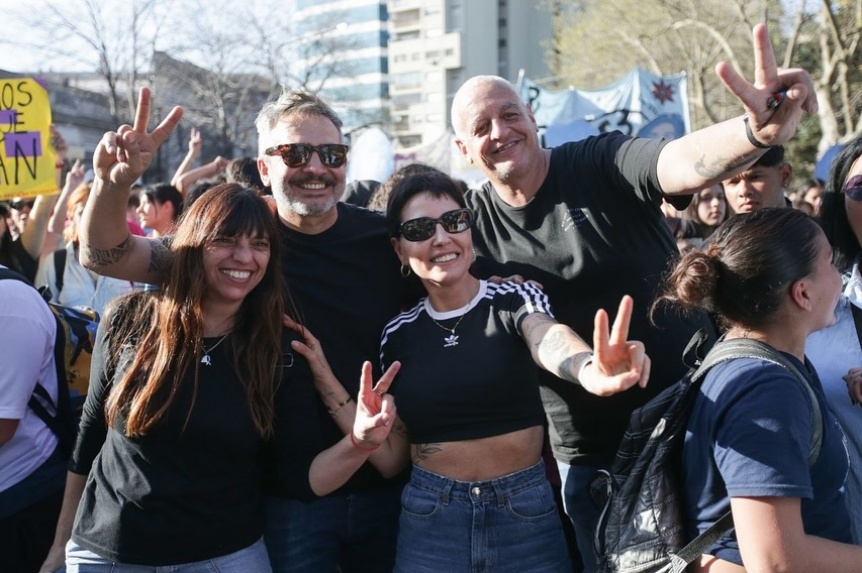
[768, 276]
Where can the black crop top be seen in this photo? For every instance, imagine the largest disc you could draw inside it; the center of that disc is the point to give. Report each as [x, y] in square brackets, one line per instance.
[476, 382]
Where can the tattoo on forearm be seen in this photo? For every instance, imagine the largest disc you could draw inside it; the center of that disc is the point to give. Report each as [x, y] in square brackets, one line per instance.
[720, 165]
[106, 257]
[566, 368]
[422, 452]
[159, 253]
[533, 323]
[555, 348]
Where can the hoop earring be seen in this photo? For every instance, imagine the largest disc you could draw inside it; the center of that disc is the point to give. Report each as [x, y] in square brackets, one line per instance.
[405, 271]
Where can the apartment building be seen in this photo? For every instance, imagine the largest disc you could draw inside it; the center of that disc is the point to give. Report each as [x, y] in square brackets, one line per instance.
[343, 56]
[435, 45]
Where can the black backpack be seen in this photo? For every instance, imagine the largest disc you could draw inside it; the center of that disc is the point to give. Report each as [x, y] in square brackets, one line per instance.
[640, 529]
[64, 423]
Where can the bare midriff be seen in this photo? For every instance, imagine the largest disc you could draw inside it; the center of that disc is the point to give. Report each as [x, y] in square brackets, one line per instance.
[482, 459]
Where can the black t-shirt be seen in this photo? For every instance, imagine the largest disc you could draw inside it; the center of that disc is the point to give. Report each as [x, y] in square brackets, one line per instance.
[592, 233]
[178, 494]
[476, 382]
[346, 284]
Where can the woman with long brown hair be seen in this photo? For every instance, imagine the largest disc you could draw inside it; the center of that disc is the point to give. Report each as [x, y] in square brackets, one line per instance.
[182, 393]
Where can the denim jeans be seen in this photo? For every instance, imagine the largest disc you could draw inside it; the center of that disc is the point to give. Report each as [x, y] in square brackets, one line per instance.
[354, 532]
[581, 509]
[508, 524]
[252, 559]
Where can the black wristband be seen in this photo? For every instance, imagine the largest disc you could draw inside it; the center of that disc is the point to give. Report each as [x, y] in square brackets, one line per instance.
[750, 135]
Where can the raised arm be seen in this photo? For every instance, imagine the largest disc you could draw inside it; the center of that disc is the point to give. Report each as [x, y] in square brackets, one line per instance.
[107, 246]
[33, 236]
[375, 417]
[715, 153]
[612, 365]
[394, 453]
[57, 222]
[185, 181]
[196, 143]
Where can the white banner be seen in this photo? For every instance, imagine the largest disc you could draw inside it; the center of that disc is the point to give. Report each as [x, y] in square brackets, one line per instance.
[639, 103]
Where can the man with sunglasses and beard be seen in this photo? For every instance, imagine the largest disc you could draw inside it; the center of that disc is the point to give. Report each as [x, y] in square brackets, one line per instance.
[343, 276]
[583, 219]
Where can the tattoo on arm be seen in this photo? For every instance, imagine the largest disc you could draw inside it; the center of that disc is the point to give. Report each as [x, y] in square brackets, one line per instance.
[159, 253]
[422, 452]
[566, 368]
[720, 166]
[555, 348]
[106, 257]
[533, 323]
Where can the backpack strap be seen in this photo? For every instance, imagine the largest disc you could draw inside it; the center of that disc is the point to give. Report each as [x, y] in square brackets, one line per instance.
[722, 352]
[64, 401]
[748, 348]
[59, 269]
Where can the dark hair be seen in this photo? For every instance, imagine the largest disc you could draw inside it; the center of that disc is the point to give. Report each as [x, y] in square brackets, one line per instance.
[744, 270]
[165, 193]
[773, 157]
[380, 198]
[196, 191]
[690, 213]
[833, 212]
[243, 170]
[166, 327]
[7, 258]
[427, 180]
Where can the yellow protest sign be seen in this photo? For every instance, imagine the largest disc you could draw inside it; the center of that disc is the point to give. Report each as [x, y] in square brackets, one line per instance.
[26, 156]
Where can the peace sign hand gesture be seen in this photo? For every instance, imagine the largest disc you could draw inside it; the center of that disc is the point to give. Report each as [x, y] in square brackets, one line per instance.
[618, 364]
[375, 409]
[122, 156]
[770, 124]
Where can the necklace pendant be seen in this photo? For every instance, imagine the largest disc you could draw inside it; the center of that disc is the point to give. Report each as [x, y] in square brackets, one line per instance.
[450, 341]
[206, 360]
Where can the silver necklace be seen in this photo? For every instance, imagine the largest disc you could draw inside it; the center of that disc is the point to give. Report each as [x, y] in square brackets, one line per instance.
[452, 339]
[206, 357]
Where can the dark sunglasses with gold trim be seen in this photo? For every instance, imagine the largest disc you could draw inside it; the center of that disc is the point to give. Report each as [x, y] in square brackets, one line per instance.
[422, 228]
[332, 155]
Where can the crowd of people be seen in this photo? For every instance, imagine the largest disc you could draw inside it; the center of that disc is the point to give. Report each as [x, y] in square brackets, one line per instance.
[285, 381]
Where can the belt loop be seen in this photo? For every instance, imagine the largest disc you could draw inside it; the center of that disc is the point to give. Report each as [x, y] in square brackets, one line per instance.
[499, 493]
[447, 489]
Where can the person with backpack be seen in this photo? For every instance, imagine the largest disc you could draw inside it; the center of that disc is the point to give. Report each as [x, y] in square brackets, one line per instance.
[768, 276]
[32, 463]
[69, 283]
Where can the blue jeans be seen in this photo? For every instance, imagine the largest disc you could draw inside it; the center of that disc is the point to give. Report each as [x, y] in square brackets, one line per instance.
[508, 524]
[581, 509]
[355, 532]
[252, 559]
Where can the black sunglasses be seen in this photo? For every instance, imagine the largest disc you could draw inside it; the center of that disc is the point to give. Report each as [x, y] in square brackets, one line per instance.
[20, 204]
[332, 155]
[423, 228]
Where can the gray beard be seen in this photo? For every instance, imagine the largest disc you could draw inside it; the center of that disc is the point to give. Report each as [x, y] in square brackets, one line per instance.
[306, 210]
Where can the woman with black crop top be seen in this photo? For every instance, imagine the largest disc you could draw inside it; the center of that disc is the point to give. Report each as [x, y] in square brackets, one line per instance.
[468, 395]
